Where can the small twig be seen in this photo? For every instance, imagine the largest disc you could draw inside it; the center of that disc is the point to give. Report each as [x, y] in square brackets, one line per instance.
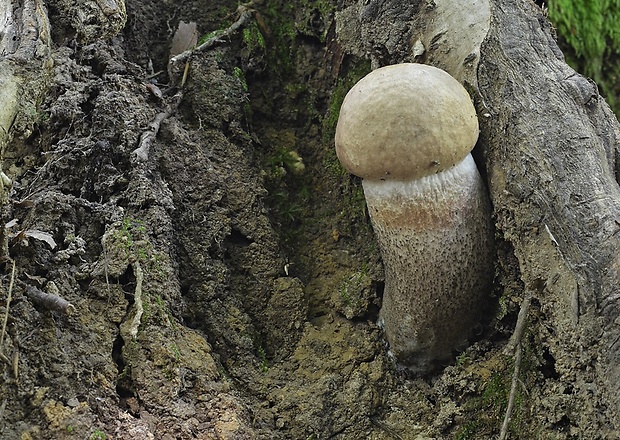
[49, 300]
[515, 339]
[105, 268]
[6, 311]
[513, 391]
[524, 388]
[514, 346]
[133, 329]
[141, 154]
[574, 304]
[185, 72]
[154, 74]
[2, 409]
[15, 364]
[245, 14]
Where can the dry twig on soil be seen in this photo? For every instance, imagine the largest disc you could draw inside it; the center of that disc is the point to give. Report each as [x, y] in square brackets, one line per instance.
[245, 14]
[515, 339]
[6, 311]
[49, 301]
[515, 346]
[141, 154]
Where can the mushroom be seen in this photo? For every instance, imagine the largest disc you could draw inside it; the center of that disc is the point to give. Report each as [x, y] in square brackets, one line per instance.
[407, 130]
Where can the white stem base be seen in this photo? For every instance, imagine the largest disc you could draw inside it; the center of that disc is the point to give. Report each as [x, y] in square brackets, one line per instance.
[436, 240]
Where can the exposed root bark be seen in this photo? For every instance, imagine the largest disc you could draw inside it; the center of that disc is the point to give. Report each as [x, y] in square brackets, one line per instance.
[135, 324]
[141, 154]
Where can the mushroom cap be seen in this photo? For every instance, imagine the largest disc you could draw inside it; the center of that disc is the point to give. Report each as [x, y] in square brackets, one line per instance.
[405, 121]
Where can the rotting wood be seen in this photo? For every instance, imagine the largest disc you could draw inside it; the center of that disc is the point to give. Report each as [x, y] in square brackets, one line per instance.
[49, 301]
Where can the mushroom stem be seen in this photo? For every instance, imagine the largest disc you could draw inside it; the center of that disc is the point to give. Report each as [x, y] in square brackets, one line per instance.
[407, 130]
[436, 240]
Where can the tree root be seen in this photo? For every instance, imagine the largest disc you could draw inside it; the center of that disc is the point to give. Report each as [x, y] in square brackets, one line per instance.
[141, 154]
[135, 323]
[515, 339]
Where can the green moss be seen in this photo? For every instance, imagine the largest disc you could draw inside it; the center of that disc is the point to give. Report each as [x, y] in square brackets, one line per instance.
[463, 360]
[344, 294]
[285, 178]
[264, 367]
[241, 77]
[588, 26]
[283, 160]
[495, 393]
[133, 237]
[484, 412]
[253, 38]
[210, 35]
[355, 73]
[98, 435]
[131, 244]
[325, 8]
[589, 32]
[354, 202]
[286, 207]
[468, 431]
[283, 34]
[129, 229]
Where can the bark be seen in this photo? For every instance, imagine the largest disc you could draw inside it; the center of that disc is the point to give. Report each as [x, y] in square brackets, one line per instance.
[551, 144]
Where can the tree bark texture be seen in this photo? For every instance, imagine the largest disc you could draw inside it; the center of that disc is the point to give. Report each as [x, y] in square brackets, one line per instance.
[550, 145]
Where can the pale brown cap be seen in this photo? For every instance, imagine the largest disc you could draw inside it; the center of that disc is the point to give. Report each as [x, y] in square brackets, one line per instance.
[405, 121]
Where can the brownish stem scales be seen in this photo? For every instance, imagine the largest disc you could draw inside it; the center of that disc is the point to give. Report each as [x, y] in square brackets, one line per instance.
[438, 261]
